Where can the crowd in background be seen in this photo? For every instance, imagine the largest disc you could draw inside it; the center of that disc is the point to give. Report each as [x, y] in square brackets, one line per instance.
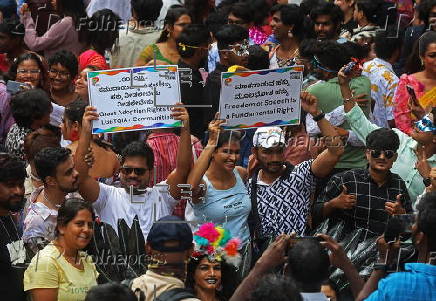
[341, 206]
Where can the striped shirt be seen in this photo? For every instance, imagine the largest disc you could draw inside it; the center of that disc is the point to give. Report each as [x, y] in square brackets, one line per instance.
[165, 146]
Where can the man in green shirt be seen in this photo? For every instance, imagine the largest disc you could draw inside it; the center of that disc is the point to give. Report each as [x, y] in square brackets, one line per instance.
[329, 58]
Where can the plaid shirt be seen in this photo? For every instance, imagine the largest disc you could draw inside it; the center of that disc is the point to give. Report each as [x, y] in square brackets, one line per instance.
[418, 282]
[369, 212]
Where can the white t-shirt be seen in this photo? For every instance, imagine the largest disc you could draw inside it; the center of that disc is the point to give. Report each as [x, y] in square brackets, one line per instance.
[114, 203]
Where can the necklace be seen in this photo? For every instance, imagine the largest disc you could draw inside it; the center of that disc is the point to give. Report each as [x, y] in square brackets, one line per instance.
[6, 230]
[48, 201]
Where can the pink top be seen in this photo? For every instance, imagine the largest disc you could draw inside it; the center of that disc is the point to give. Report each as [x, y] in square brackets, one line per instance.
[92, 57]
[257, 35]
[402, 113]
[61, 36]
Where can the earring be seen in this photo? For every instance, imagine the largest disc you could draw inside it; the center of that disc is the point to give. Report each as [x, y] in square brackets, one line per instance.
[290, 35]
[422, 62]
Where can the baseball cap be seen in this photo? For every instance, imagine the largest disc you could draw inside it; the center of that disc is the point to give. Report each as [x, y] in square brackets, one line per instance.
[170, 228]
[267, 137]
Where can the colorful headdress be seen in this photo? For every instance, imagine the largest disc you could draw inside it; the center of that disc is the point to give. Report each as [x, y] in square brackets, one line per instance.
[216, 243]
[426, 124]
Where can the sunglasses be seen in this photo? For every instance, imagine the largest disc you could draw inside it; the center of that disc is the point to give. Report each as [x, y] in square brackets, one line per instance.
[239, 49]
[375, 153]
[317, 64]
[138, 171]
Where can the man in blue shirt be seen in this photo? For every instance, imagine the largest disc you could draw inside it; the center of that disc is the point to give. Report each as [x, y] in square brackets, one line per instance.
[418, 281]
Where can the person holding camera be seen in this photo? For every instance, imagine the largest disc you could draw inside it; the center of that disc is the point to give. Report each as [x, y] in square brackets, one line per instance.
[418, 281]
[306, 261]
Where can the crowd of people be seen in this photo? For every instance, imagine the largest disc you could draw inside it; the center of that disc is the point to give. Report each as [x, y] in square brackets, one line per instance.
[341, 206]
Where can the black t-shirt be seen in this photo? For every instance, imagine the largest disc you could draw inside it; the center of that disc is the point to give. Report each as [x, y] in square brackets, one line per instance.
[11, 282]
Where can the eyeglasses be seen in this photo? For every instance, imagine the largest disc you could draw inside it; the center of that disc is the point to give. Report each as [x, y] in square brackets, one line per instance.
[239, 49]
[138, 171]
[55, 73]
[376, 153]
[317, 64]
[33, 72]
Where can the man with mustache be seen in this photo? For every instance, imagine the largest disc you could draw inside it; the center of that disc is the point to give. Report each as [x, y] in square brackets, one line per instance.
[280, 193]
[366, 198]
[12, 175]
[134, 197]
[55, 167]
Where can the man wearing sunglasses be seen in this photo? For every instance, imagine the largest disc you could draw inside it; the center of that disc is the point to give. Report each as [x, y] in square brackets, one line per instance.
[134, 197]
[366, 198]
[416, 153]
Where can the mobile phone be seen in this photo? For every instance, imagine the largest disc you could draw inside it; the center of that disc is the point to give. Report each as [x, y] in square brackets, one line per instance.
[349, 67]
[14, 87]
[412, 95]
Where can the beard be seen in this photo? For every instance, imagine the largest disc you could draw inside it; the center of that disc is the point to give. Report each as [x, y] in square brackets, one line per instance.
[15, 206]
[69, 189]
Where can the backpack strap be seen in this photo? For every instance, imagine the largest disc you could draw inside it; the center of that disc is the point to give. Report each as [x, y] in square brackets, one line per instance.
[175, 294]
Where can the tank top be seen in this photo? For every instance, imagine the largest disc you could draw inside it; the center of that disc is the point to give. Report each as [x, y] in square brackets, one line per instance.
[229, 208]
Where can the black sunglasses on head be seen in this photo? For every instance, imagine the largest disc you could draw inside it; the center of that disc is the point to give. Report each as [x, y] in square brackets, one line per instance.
[376, 153]
[138, 171]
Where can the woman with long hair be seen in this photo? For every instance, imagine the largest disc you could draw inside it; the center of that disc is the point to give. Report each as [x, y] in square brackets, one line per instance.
[101, 37]
[29, 68]
[421, 78]
[62, 271]
[81, 87]
[165, 49]
[66, 34]
[219, 192]
[106, 162]
[287, 25]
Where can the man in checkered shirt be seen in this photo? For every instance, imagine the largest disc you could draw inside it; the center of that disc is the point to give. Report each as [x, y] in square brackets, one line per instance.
[366, 198]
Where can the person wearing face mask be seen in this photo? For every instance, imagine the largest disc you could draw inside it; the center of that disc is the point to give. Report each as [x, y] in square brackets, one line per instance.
[62, 271]
[134, 197]
[233, 50]
[12, 174]
[192, 45]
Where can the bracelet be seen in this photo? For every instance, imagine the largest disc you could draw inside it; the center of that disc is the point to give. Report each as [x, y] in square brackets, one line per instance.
[319, 117]
[348, 99]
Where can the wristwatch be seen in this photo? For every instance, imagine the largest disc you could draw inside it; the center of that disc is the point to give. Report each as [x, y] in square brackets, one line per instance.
[319, 117]
[426, 181]
[380, 267]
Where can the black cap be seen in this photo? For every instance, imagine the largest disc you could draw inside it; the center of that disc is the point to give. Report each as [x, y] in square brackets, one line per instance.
[170, 228]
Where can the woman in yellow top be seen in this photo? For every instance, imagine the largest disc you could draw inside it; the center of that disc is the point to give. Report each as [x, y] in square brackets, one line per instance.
[61, 272]
[165, 48]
